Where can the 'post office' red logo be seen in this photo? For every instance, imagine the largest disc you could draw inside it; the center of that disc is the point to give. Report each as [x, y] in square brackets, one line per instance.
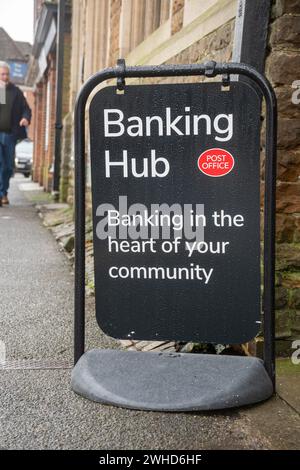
[215, 162]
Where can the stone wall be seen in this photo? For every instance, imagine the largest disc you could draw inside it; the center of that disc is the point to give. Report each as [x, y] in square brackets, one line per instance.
[215, 46]
[283, 69]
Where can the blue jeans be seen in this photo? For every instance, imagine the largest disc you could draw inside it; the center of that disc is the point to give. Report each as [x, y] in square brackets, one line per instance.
[7, 154]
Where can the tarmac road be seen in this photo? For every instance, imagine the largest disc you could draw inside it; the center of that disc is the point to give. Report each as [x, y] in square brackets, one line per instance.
[37, 408]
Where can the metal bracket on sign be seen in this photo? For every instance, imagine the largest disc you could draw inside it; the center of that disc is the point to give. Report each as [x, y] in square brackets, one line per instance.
[120, 72]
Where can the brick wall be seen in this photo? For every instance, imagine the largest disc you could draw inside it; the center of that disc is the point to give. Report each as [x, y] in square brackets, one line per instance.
[29, 95]
[66, 144]
[49, 151]
[39, 131]
[43, 154]
[43, 158]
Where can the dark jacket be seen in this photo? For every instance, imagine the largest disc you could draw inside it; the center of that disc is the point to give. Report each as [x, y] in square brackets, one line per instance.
[20, 110]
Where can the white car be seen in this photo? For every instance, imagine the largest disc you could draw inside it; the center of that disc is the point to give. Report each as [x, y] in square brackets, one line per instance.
[23, 157]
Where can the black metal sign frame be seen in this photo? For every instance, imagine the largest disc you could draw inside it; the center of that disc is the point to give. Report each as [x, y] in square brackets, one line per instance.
[208, 69]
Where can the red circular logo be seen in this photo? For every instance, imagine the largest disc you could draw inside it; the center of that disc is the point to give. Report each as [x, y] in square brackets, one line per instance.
[215, 162]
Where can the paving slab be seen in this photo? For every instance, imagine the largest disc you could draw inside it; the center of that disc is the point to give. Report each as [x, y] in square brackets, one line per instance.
[38, 410]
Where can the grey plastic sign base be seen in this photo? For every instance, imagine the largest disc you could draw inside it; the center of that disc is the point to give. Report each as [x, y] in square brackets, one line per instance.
[170, 381]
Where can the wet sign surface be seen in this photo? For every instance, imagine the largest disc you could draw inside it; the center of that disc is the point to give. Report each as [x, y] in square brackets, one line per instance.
[176, 211]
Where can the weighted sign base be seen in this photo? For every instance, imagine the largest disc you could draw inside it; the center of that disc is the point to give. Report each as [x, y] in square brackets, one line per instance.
[170, 381]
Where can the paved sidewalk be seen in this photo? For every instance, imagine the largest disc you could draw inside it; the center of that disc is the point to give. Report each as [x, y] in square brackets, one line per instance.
[37, 408]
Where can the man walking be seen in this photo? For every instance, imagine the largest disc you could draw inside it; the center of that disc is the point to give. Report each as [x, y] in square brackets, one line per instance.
[15, 116]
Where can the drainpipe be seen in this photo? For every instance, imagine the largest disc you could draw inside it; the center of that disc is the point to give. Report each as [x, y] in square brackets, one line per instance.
[251, 33]
[59, 92]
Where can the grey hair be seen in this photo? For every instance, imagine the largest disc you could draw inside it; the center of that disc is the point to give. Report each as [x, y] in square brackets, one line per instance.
[4, 65]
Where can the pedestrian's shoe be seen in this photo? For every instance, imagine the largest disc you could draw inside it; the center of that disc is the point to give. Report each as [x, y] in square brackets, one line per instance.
[5, 200]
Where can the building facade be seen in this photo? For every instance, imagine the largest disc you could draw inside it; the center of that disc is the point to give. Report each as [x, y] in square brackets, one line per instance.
[42, 75]
[192, 31]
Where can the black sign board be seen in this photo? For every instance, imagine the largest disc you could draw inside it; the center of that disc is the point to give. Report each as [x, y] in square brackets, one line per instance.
[176, 211]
